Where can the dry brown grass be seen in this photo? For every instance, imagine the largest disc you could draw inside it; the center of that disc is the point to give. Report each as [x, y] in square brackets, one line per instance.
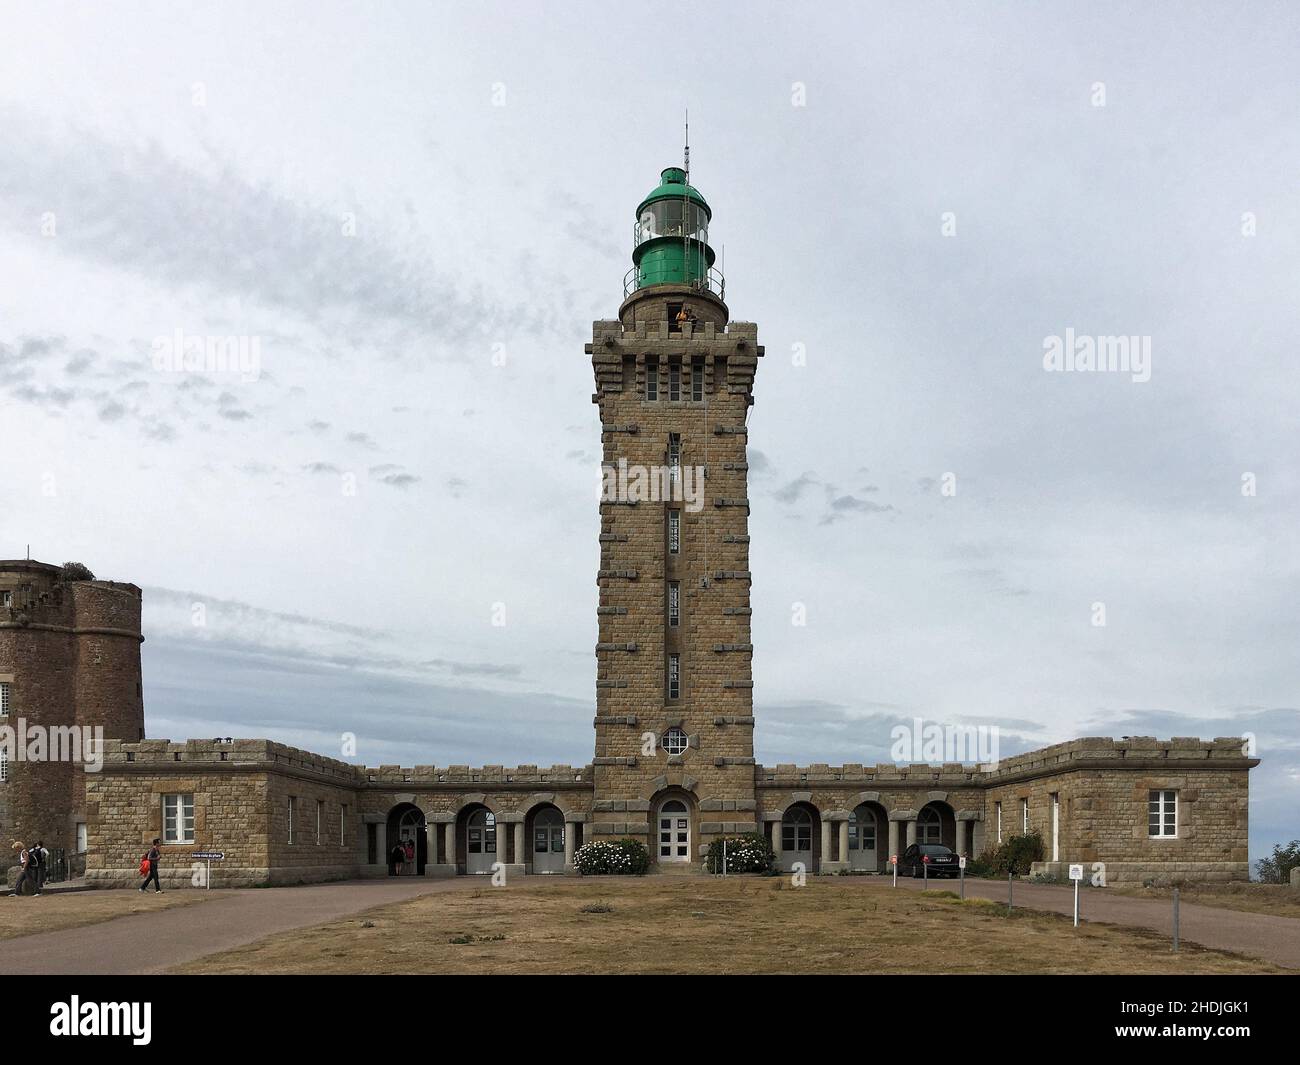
[740, 925]
[70, 909]
[1277, 899]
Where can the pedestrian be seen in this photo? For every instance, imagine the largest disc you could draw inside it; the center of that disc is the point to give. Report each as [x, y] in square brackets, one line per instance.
[408, 852]
[26, 871]
[153, 856]
[42, 857]
[395, 859]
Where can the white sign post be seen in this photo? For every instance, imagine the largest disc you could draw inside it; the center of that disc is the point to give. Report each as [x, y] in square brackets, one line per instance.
[893, 862]
[961, 871]
[209, 857]
[1076, 874]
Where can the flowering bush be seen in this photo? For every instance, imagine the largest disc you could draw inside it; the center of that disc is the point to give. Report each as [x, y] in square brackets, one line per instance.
[601, 857]
[750, 853]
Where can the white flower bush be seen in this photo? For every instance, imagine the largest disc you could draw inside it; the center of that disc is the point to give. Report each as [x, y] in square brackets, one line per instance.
[600, 857]
[745, 854]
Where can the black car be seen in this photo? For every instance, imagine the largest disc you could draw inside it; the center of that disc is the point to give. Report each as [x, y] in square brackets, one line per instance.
[942, 861]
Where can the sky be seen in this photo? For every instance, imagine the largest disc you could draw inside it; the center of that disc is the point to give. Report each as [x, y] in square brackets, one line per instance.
[409, 215]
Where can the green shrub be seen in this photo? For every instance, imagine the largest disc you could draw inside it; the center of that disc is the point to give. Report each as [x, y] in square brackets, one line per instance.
[1276, 869]
[1016, 855]
[75, 571]
[623, 857]
[750, 853]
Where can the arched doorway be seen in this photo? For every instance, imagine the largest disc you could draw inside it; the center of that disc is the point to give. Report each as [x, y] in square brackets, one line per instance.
[477, 839]
[546, 830]
[799, 842]
[936, 823]
[673, 831]
[406, 825]
[865, 843]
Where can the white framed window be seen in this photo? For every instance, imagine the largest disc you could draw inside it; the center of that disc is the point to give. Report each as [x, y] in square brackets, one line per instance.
[1024, 816]
[674, 531]
[674, 604]
[6, 598]
[674, 381]
[292, 811]
[4, 768]
[4, 698]
[997, 807]
[178, 818]
[652, 379]
[82, 843]
[929, 826]
[697, 380]
[320, 821]
[1162, 814]
[674, 457]
[674, 676]
[675, 740]
[796, 830]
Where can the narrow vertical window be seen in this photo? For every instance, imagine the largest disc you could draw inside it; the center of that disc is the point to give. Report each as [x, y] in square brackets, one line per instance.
[674, 381]
[320, 820]
[674, 457]
[997, 806]
[674, 676]
[343, 824]
[674, 531]
[292, 810]
[4, 767]
[674, 603]
[1024, 816]
[4, 698]
[1162, 814]
[697, 379]
[651, 379]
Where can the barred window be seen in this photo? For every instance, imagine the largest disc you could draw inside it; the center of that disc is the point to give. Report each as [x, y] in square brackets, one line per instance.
[674, 531]
[697, 379]
[1162, 814]
[1024, 816]
[320, 820]
[178, 818]
[675, 740]
[674, 603]
[651, 379]
[674, 381]
[674, 676]
[292, 812]
[4, 767]
[674, 457]
[4, 698]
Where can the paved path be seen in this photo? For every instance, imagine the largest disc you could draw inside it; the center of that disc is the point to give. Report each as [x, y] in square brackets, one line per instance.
[1260, 935]
[152, 942]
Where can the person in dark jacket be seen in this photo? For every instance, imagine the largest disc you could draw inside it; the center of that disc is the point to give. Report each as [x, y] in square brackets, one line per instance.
[395, 859]
[27, 872]
[42, 857]
[154, 856]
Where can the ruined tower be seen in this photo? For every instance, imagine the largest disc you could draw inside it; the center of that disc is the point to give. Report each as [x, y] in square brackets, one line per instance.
[674, 757]
[69, 659]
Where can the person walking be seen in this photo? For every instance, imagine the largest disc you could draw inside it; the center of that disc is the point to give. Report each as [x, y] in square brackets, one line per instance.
[153, 856]
[26, 871]
[408, 852]
[395, 859]
[42, 860]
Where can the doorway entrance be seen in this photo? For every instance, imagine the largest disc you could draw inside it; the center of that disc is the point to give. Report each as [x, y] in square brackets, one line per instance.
[674, 832]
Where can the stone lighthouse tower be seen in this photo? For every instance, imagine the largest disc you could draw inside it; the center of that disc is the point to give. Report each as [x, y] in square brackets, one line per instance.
[674, 759]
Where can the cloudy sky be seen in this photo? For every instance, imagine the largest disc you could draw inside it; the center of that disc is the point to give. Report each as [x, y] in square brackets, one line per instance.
[415, 211]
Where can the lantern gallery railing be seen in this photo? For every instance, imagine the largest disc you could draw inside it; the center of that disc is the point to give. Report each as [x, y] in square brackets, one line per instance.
[711, 281]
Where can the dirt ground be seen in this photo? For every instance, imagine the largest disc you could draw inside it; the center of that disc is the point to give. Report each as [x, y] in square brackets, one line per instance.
[739, 925]
[71, 909]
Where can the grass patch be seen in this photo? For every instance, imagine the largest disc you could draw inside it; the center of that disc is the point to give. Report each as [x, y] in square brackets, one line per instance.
[736, 925]
[71, 909]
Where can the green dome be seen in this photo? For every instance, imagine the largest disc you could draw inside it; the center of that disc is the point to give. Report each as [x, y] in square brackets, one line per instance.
[672, 186]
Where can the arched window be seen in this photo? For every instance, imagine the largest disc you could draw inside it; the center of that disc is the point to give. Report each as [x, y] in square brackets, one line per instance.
[862, 830]
[675, 740]
[796, 830]
[929, 826]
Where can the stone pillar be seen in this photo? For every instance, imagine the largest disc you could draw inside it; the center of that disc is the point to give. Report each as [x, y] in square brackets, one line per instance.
[776, 839]
[521, 854]
[844, 843]
[911, 832]
[430, 845]
[381, 844]
[961, 837]
[826, 843]
[893, 838]
[449, 842]
[570, 836]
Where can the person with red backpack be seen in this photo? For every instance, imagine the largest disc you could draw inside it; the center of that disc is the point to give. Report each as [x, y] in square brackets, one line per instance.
[149, 867]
